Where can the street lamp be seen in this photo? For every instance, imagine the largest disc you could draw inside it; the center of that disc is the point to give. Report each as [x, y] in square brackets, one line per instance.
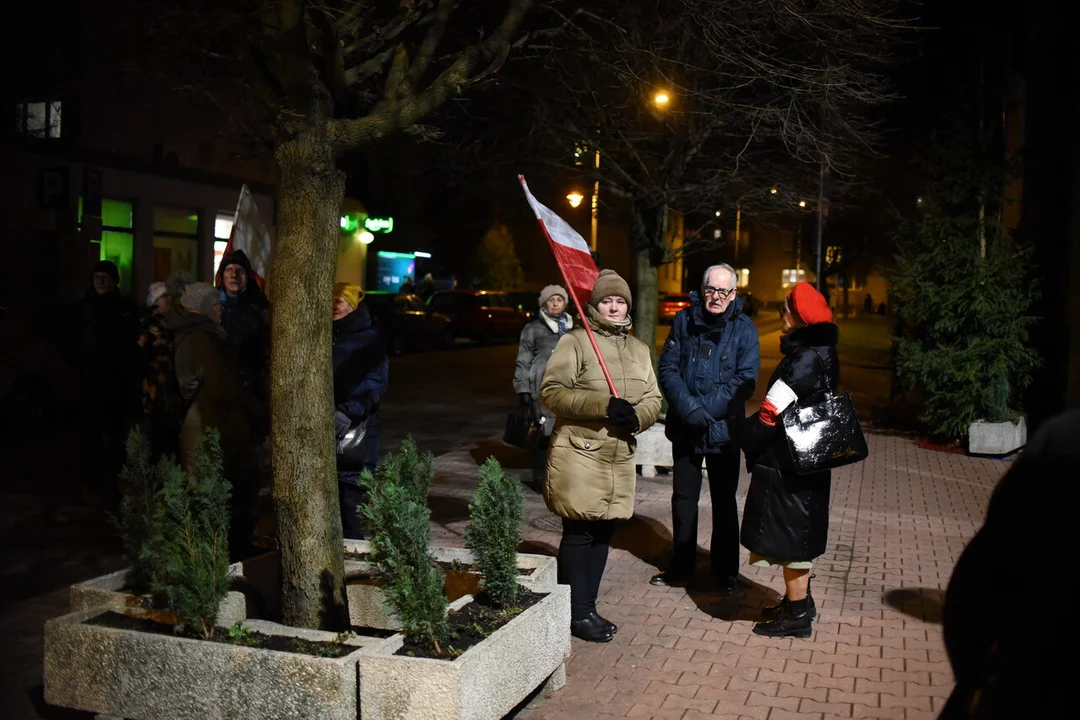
[802, 203]
[661, 99]
[773, 191]
[575, 198]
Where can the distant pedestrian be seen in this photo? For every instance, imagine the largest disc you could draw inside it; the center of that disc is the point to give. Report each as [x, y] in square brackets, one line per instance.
[707, 371]
[537, 342]
[590, 468]
[881, 310]
[246, 320]
[868, 304]
[361, 378]
[426, 288]
[407, 287]
[786, 516]
[107, 361]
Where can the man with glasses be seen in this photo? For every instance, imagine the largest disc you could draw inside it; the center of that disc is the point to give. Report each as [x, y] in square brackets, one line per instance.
[707, 372]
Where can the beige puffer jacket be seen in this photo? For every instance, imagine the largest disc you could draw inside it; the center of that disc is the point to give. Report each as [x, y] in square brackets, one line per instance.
[590, 464]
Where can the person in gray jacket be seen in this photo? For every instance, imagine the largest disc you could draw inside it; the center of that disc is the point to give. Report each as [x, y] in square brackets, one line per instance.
[538, 341]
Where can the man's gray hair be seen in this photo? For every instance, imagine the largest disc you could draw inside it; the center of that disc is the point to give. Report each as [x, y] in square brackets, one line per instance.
[721, 266]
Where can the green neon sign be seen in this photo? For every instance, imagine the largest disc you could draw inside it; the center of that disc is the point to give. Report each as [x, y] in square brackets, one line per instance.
[349, 223]
[378, 224]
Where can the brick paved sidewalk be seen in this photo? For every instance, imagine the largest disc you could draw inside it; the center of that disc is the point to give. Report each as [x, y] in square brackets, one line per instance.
[898, 523]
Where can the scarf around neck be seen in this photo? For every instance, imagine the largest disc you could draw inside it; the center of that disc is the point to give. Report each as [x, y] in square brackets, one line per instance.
[559, 324]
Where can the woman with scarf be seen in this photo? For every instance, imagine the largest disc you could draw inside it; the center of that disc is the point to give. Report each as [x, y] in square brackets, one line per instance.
[538, 341]
[786, 516]
[590, 467]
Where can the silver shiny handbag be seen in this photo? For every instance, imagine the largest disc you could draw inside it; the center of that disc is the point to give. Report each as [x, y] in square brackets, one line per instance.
[351, 445]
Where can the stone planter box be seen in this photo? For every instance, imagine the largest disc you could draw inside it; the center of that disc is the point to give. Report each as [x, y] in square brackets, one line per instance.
[485, 682]
[367, 600]
[653, 451]
[1001, 438]
[255, 593]
[145, 676]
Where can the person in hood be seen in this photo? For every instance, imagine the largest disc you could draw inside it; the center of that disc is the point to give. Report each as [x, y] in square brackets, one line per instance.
[106, 360]
[246, 320]
[708, 370]
[538, 340]
[786, 515]
[361, 378]
[215, 396]
[591, 474]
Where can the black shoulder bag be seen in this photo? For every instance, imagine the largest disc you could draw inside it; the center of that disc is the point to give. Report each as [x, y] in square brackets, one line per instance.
[825, 434]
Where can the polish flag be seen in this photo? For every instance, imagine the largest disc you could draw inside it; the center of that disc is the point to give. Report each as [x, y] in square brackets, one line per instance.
[576, 264]
[250, 235]
[571, 251]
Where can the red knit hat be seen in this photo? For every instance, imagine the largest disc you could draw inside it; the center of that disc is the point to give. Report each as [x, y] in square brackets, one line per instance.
[809, 305]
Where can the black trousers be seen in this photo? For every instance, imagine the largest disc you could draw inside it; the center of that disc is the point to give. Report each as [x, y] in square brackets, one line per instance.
[351, 497]
[582, 557]
[539, 460]
[723, 471]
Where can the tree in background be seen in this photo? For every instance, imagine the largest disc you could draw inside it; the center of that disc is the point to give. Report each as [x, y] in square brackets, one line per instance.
[496, 265]
[963, 292]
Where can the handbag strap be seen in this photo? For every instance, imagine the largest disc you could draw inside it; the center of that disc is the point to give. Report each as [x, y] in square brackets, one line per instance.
[824, 369]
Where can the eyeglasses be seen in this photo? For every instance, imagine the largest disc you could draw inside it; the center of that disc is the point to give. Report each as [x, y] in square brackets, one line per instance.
[718, 292]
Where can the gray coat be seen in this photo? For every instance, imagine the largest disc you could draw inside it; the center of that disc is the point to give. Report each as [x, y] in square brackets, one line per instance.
[537, 343]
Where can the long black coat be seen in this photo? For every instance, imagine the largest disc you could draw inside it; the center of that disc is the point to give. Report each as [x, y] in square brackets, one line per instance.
[361, 378]
[786, 514]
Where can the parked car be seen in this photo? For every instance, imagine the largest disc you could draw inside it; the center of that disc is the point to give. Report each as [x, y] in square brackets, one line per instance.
[527, 302]
[407, 323]
[482, 315]
[669, 305]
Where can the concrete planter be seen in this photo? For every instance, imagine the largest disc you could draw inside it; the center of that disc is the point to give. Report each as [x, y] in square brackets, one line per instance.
[256, 591]
[1001, 438]
[367, 599]
[653, 451]
[484, 683]
[140, 675]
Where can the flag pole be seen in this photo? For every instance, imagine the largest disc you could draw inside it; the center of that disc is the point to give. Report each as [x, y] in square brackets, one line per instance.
[577, 304]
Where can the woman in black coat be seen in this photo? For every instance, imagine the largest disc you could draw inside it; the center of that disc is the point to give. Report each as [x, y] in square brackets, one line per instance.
[361, 374]
[786, 517]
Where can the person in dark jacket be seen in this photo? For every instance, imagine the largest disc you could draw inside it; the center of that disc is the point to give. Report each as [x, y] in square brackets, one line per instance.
[708, 370]
[361, 376]
[538, 341]
[1005, 666]
[786, 516]
[209, 382]
[107, 370]
[246, 320]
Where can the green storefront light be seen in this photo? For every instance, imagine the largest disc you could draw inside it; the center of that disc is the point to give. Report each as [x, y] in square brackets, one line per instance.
[379, 224]
[349, 223]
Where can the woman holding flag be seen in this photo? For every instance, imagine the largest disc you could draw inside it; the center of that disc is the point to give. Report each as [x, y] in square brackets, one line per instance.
[601, 387]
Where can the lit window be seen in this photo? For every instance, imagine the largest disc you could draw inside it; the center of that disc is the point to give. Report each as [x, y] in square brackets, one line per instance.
[833, 254]
[791, 277]
[742, 278]
[38, 119]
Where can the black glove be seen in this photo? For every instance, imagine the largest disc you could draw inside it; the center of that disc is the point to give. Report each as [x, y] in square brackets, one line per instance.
[525, 399]
[342, 423]
[622, 413]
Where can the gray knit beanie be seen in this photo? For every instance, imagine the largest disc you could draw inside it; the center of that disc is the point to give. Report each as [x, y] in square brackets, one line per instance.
[200, 297]
[552, 290]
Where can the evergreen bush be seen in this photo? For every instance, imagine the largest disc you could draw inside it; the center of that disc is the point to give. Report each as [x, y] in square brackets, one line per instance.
[963, 290]
[396, 520]
[135, 521]
[191, 542]
[494, 531]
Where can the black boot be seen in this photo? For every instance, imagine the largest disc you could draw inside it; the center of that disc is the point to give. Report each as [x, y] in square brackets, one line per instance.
[589, 629]
[773, 612]
[672, 578]
[605, 624]
[793, 621]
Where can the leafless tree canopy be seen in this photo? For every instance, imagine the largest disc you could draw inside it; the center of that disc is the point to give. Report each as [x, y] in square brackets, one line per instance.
[762, 94]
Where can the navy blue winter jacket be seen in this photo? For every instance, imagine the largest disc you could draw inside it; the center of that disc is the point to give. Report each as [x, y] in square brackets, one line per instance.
[707, 372]
[361, 377]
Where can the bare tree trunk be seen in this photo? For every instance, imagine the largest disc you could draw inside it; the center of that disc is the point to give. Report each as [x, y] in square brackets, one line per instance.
[301, 391]
[645, 301]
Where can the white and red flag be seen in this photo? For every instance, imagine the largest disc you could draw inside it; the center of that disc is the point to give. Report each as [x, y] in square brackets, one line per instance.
[250, 235]
[576, 264]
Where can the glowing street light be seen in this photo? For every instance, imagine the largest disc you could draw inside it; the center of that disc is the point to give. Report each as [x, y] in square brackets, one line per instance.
[773, 191]
[802, 203]
[365, 237]
[661, 99]
[575, 198]
[718, 213]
